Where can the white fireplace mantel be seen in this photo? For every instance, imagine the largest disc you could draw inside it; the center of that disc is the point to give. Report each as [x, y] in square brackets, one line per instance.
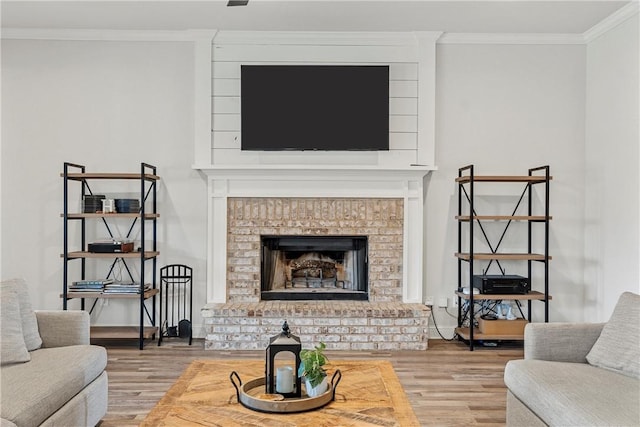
[315, 181]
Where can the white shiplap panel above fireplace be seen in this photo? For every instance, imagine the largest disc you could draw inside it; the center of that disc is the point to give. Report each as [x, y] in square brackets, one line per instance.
[411, 60]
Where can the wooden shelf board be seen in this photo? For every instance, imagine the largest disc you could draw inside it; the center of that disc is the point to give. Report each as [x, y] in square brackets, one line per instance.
[506, 256]
[533, 295]
[110, 215]
[116, 175]
[134, 254]
[538, 218]
[122, 332]
[464, 333]
[507, 178]
[147, 294]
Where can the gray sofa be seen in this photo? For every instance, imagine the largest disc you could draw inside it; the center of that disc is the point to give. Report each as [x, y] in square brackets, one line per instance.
[49, 374]
[578, 374]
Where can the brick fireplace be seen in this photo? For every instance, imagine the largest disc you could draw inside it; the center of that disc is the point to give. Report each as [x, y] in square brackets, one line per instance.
[379, 220]
[308, 267]
[383, 208]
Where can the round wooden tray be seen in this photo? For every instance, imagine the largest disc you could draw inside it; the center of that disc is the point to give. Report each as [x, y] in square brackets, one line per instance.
[251, 395]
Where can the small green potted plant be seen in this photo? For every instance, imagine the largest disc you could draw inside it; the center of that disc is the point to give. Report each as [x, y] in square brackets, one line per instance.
[312, 371]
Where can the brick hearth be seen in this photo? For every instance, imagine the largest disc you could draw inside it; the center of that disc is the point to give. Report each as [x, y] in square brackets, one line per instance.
[342, 325]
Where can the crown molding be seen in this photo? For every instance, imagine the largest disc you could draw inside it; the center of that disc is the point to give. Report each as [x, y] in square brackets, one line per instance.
[105, 35]
[612, 21]
[387, 38]
[224, 37]
[503, 38]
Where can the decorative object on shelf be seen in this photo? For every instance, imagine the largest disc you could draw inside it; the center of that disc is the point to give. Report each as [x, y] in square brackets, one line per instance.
[108, 206]
[93, 203]
[282, 343]
[127, 205]
[312, 370]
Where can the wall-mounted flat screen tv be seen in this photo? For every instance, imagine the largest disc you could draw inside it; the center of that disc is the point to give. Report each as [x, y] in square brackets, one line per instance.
[314, 107]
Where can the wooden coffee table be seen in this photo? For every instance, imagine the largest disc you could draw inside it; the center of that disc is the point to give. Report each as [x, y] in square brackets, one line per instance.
[369, 394]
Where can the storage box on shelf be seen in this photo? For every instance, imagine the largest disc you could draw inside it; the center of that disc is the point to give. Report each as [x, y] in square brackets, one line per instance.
[146, 220]
[501, 327]
[467, 216]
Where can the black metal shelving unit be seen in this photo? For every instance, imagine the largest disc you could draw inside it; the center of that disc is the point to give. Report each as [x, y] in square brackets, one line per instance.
[467, 216]
[141, 221]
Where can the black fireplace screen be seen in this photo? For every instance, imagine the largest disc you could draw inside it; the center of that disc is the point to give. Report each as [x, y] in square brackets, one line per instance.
[314, 267]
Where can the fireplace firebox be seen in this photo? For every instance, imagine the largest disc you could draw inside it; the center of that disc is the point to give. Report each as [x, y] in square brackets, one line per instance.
[314, 268]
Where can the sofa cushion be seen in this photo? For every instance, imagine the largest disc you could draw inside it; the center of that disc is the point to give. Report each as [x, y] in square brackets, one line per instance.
[53, 376]
[12, 346]
[574, 394]
[29, 323]
[618, 347]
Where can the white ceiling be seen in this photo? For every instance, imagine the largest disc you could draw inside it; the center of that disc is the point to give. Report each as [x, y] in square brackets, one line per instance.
[515, 16]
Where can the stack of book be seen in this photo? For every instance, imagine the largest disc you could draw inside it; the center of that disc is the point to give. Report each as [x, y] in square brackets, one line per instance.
[123, 288]
[90, 285]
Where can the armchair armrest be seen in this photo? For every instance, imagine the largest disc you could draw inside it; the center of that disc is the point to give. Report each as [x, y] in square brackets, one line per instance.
[6, 423]
[60, 328]
[560, 342]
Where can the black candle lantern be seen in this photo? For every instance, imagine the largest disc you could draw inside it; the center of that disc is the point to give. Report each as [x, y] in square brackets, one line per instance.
[288, 384]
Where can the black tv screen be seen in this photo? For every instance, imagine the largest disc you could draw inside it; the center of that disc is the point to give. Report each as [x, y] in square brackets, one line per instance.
[314, 107]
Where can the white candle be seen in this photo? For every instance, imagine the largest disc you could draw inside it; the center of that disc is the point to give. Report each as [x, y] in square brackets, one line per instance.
[284, 380]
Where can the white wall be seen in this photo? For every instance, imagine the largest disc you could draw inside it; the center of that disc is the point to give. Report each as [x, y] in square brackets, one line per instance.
[612, 179]
[507, 108]
[108, 105]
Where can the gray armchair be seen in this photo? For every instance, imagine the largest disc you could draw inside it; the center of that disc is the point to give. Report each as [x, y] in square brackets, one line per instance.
[50, 374]
[578, 374]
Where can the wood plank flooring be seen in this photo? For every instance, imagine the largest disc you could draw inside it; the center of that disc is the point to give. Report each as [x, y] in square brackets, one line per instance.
[447, 385]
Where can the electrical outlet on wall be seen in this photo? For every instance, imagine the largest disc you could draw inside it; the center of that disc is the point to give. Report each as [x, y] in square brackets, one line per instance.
[442, 302]
[428, 300]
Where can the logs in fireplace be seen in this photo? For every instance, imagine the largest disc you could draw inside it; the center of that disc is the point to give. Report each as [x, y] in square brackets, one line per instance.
[314, 267]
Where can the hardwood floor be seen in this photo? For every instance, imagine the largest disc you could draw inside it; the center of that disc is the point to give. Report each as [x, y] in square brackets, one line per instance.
[447, 385]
